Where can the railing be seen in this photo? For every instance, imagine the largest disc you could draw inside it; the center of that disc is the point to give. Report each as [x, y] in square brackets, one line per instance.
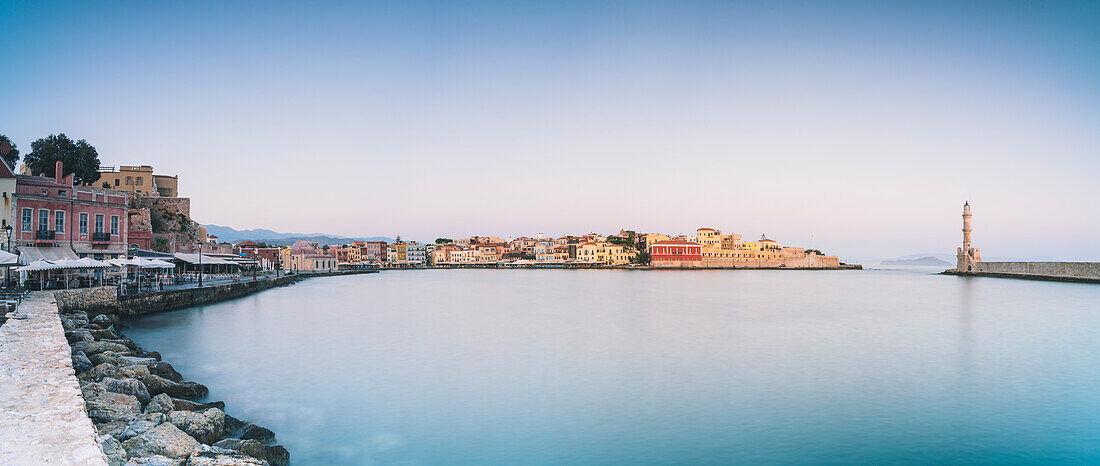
[101, 237]
[45, 235]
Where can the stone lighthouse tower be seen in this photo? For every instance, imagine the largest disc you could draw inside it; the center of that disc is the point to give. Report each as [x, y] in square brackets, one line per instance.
[967, 255]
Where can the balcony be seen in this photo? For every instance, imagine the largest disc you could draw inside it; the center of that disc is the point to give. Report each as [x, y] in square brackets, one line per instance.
[45, 236]
[101, 237]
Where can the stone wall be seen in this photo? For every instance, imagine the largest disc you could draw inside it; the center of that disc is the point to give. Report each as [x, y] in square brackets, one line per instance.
[105, 299]
[1085, 270]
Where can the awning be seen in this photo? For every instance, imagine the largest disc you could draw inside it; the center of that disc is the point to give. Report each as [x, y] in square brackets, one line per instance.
[28, 254]
[8, 259]
[206, 260]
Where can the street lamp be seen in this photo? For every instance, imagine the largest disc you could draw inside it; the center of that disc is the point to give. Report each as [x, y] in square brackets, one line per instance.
[200, 265]
[7, 239]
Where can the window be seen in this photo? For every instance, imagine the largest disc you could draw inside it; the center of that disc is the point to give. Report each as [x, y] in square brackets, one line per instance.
[99, 223]
[45, 192]
[83, 223]
[129, 180]
[26, 219]
[60, 193]
[114, 224]
[43, 220]
[59, 221]
[116, 181]
[139, 181]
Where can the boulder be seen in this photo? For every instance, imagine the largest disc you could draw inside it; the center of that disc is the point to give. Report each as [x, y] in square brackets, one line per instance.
[104, 334]
[155, 460]
[233, 426]
[160, 404]
[129, 344]
[275, 455]
[78, 336]
[110, 357]
[165, 440]
[206, 455]
[157, 385]
[95, 347]
[116, 455]
[102, 320]
[188, 405]
[206, 426]
[128, 387]
[141, 425]
[150, 354]
[72, 322]
[81, 363]
[255, 432]
[166, 370]
[111, 429]
[99, 372]
[107, 406]
[136, 361]
[133, 372]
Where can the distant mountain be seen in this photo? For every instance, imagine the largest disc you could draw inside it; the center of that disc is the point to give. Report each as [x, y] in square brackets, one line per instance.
[234, 235]
[927, 261]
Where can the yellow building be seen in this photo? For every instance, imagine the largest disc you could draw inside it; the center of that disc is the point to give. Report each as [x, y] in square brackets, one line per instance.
[602, 254]
[138, 179]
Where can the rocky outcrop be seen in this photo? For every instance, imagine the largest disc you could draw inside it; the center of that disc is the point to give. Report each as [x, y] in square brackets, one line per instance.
[145, 412]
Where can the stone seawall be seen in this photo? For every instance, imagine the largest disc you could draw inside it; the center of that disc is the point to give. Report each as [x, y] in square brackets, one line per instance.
[105, 299]
[1088, 272]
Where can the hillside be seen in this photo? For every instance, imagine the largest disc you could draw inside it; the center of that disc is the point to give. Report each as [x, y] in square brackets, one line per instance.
[233, 235]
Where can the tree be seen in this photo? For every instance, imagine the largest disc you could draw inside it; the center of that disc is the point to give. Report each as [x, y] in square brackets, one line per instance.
[80, 158]
[12, 156]
[642, 258]
[106, 185]
[443, 240]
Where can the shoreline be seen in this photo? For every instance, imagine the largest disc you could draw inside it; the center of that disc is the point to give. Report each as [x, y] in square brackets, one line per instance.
[612, 267]
[143, 409]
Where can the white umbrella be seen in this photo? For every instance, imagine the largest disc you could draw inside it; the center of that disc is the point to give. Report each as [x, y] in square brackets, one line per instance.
[38, 265]
[89, 263]
[162, 264]
[119, 262]
[7, 258]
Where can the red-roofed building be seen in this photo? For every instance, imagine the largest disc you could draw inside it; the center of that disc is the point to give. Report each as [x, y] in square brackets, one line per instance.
[676, 253]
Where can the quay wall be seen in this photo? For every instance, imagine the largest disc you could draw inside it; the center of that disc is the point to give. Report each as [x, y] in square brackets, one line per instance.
[105, 299]
[1065, 271]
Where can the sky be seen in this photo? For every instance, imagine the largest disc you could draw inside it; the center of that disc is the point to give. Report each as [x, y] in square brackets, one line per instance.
[859, 126]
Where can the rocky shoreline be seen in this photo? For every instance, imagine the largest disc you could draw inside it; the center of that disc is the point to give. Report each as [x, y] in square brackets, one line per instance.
[145, 412]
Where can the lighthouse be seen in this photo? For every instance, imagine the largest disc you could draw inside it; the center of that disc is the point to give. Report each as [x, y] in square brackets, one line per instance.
[967, 255]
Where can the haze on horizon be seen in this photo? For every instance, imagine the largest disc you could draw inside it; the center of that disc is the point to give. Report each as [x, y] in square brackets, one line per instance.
[863, 124]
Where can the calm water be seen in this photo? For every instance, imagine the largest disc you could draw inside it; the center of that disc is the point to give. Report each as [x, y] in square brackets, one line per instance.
[622, 367]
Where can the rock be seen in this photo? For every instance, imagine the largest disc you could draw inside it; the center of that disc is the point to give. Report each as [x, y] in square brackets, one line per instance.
[110, 357]
[78, 336]
[129, 344]
[157, 385]
[81, 363]
[155, 460]
[104, 334]
[165, 440]
[160, 404]
[151, 354]
[102, 320]
[275, 455]
[166, 370]
[233, 426]
[188, 405]
[133, 372]
[71, 322]
[207, 427]
[96, 347]
[116, 456]
[141, 425]
[108, 406]
[206, 455]
[136, 361]
[112, 429]
[255, 432]
[91, 326]
[127, 386]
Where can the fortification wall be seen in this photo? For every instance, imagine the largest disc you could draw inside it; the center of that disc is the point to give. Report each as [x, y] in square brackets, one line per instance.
[1085, 270]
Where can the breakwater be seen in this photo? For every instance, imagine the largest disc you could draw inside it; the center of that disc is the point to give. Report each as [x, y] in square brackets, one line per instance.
[145, 412]
[106, 300]
[1083, 272]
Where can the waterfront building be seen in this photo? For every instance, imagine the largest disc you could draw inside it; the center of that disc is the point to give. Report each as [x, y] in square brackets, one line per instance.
[676, 253]
[373, 251]
[602, 253]
[266, 258]
[416, 254]
[57, 219]
[303, 256]
[138, 179]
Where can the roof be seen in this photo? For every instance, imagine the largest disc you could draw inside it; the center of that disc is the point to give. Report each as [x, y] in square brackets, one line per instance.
[35, 180]
[5, 171]
[705, 229]
[248, 243]
[206, 259]
[30, 254]
[675, 242]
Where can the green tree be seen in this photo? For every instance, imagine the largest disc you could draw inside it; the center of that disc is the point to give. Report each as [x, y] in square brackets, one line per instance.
[12, 156]
[106, 185]
[443, 240]
[80, 158]
[642, 258]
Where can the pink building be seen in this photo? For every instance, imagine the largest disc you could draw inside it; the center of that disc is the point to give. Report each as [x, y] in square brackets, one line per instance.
[54, 219]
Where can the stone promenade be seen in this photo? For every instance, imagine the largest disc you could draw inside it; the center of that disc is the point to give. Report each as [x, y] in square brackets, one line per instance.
[42, 416]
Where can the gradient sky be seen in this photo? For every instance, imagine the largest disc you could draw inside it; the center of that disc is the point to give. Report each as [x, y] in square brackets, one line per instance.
[863, 124]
